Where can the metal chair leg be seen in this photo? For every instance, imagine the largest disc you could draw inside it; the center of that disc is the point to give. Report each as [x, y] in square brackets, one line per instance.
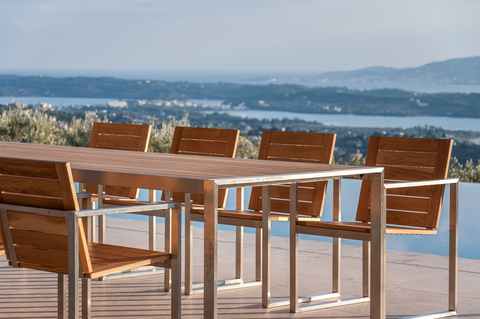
[86, 298]
[239, 237]
[188, 246]
[258, 254]
[366, 269]
[62, 296]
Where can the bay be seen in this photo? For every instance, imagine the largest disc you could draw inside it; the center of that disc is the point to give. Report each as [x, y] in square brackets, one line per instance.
[447, 123]
[55, 101]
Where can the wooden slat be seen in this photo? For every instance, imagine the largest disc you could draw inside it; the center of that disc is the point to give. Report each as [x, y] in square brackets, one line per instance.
[120, 129]
[406, 218]
[365, 227]
[36, 222]
[40, 240]
[312, 139]
[424, 191]
[112, 190]
[25, 185]
[207, 134]
[198, 199]
[202, 147]
[420, 159]
[278, 151]
[283, 192]
[282, 206]
[41, 169]
[409, 144]
[49, 258]
[103, 270]
[57, 270]
[406, 173]
[414, 204]
[34, 201]
[118, 142]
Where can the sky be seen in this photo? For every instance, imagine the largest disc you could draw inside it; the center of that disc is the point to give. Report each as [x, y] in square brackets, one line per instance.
[235, 35]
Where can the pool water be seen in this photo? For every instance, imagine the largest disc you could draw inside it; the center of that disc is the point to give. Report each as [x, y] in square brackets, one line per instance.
[469, 221]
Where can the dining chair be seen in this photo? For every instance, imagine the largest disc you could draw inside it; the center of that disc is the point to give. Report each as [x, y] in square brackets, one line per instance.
[198, 141]
[275, 146]
[415, 175]
[116, 136]
[44, 230]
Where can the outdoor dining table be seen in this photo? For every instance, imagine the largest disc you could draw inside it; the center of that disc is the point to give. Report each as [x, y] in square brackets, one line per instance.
[206, 175]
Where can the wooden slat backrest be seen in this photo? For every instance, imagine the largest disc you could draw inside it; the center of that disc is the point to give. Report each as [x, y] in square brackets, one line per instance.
[40, 241]
[408, 159]
[128, 137]
[204, 142]
[296, 147]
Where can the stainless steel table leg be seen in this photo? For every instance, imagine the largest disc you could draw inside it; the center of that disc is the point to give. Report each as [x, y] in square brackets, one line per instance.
[378, 248]
[266, 247]
[293, 248]
[336, 242]
[453, 249]
[210, 249]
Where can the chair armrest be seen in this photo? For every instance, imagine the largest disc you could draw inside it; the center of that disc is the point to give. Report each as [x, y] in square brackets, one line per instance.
[140, 209]
[422, 183]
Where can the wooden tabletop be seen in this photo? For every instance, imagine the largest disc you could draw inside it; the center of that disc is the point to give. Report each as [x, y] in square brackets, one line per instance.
[173, 171]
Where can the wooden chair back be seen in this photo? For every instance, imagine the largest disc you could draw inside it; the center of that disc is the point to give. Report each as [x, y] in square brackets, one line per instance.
[204, 142]
[295, 147]
[408, 159]
[39, 241]
[128, 137]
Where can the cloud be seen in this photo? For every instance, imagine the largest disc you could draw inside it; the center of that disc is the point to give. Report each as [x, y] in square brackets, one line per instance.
[18, 23]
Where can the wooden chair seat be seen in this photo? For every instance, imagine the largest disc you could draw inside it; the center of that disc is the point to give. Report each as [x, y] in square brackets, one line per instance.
[108, 258]
[365, 227]
[253, 215]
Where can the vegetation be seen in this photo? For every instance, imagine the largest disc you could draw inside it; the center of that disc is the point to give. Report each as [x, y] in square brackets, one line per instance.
[30, 125]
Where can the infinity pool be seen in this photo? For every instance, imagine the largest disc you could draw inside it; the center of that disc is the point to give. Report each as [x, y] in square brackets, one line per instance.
[469, 222]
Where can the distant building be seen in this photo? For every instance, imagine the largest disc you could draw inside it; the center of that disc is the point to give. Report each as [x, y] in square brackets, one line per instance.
[118, 104]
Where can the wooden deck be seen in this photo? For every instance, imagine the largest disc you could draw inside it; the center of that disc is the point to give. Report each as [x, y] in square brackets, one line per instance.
[416, 283]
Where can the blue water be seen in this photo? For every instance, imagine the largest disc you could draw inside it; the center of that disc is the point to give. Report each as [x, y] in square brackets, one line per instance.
[447, 123]
[469, 219]
[55, 101]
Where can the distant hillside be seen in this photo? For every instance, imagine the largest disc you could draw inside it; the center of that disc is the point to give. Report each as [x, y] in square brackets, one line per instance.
[453, 71]
[287, 97]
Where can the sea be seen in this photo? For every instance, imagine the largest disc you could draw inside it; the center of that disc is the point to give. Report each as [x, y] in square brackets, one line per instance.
[469, 202]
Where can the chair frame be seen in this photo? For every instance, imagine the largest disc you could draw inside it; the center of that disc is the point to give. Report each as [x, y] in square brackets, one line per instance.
[368, 270]
[262, 226]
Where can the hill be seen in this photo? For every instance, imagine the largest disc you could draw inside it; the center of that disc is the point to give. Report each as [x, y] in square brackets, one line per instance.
[452, 71]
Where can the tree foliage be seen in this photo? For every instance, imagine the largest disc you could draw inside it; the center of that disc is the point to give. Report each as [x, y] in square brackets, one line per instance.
[28, 125]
